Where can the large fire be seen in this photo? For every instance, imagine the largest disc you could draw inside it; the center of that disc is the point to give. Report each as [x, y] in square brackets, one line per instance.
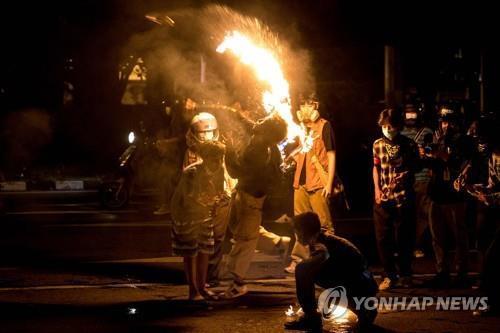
[267, 69]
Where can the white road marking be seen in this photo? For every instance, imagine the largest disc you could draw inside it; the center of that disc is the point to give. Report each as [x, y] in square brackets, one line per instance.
[48, 193]
[66, 212]
[106, 225]
[145, 260]
[79, 286]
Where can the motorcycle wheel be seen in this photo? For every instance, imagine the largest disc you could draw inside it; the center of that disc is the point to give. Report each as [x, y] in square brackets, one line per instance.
[115, 197]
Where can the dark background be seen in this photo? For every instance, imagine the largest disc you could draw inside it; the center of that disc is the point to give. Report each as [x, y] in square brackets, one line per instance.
[438, 47]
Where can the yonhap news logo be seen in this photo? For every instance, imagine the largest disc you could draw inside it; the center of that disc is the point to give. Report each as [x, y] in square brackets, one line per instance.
[334, 302]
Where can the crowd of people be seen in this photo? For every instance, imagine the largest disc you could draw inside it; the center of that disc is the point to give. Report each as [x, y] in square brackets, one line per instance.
[431, 178]
[423, 179]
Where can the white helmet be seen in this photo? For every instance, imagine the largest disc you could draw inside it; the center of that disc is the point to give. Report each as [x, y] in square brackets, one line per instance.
[201, 125]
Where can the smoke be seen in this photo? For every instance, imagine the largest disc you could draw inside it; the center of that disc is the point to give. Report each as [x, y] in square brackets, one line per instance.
[176, 55]
[24, 135]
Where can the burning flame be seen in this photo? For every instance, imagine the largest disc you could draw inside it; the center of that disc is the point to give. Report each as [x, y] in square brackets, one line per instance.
[290, 312]
[337, 311]
[267, 68]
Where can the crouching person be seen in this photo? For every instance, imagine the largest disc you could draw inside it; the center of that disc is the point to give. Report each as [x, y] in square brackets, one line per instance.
[334, 262]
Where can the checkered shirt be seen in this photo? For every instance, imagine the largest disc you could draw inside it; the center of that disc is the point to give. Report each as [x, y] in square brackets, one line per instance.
[392, 159]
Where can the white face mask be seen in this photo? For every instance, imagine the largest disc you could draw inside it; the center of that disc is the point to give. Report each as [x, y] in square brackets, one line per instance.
[206, 136]
[389, 134]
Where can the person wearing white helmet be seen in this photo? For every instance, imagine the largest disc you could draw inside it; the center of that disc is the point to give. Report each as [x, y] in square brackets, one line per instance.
[200, 204]
[204, 128]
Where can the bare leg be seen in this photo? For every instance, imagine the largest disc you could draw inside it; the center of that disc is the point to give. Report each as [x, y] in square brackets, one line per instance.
[191, 276]
[201, 273]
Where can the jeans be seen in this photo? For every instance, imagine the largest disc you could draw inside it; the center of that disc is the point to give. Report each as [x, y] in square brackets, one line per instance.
[395, 233]
[448, 226]
[423, 205]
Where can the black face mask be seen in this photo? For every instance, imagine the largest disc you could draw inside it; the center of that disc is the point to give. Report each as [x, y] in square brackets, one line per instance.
[410, 123]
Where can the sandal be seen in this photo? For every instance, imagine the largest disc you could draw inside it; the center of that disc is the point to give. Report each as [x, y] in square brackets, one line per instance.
[209, 295]
[197, 298]
[235, 291]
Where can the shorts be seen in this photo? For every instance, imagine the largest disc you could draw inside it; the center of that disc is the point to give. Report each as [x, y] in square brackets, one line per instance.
[191, 237]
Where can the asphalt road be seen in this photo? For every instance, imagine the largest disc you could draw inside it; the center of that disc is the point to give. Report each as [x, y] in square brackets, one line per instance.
[73, 226]
[140, 307]
[73, 267]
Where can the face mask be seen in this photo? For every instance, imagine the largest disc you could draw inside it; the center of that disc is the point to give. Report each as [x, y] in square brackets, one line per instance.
[206, 136]
[411, 119]
[389, 134]
[308, 113]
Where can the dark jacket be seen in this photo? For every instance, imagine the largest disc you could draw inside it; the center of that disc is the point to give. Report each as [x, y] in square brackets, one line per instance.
[257, 168]
[452, 150]
[340, 259]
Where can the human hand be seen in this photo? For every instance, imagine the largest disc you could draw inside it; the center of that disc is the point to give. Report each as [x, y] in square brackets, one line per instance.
[378, 196]
[327, 191]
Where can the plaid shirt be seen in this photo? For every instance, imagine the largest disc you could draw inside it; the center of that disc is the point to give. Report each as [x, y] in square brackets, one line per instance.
[395, 161]
[494, 178]
[494, 171]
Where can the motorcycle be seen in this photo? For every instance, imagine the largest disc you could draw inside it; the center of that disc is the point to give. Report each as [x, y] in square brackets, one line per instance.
[131, 172]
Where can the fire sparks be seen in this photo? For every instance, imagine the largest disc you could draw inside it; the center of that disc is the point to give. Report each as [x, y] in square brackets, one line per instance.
[267, 69]
[290, 312]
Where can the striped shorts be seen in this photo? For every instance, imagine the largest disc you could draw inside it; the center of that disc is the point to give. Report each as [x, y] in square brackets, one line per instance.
[191, 237]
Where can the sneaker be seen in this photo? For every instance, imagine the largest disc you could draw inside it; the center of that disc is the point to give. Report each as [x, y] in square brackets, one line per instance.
[212, 284]
[163, 210]
[283, 247]
[234, 291]
[291, 268]
[387, 284]
[209, 295]
[283, 219]
[439, 281]
[488, 312]
[310, 323]
[418, 254]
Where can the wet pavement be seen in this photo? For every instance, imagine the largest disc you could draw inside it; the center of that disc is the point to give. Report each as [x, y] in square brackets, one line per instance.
[124, 305]
[100, 271]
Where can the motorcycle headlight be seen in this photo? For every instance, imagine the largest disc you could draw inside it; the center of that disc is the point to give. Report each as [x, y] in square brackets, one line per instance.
[131, 137]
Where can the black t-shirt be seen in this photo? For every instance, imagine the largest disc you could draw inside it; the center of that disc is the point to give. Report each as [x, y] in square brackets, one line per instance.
[338, 256]
[328, 138]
